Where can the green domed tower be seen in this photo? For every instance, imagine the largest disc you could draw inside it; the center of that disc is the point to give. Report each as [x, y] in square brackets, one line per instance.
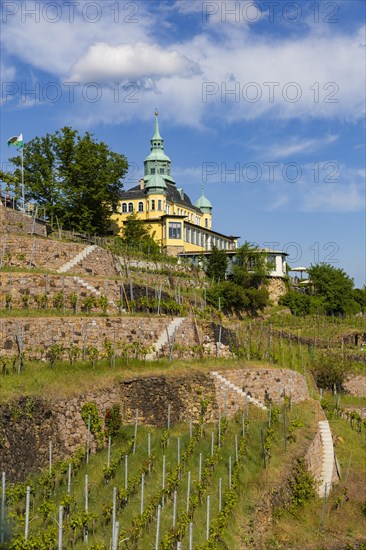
[204, 204]
[157, 162]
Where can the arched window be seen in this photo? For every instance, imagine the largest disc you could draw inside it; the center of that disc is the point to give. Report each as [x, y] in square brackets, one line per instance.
[124, 207]
[141, 206]
[130, 207]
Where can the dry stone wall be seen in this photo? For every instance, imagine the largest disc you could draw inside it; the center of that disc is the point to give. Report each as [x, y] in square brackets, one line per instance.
[19, 284]
[276, 289]
[356, 386]
[34, 285]
[14, 222]
[39, 334]
[314, 458]
[99, 263]
[28, 252]
[267, 384]
[28, 424]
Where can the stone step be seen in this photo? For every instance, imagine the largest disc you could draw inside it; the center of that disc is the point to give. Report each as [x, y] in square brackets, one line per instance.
[77, 259]
[163, 337]
[96, 292]
[327, 457]
[238, 391]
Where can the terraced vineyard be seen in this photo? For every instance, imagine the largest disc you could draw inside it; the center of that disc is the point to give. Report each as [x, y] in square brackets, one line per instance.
[162, 488]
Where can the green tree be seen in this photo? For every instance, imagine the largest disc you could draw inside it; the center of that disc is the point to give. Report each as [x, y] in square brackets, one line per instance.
[76, 178]
[334, 287]
[331, 370]
[136, 234]
[230, 296]
[245, 291]
[359, 295]
[216, 266]
[251, 267]
[298, 302]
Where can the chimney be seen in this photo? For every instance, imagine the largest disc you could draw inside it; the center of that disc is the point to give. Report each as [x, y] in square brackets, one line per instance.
[142, 184]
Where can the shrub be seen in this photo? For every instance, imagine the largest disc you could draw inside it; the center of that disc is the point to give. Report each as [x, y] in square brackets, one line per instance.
[58, 300]
[301, 485]
[112, 420]
[330, 370]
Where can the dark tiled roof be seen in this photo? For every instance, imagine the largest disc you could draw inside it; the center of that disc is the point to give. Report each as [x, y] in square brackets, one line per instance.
[172, 195]
[133, 193]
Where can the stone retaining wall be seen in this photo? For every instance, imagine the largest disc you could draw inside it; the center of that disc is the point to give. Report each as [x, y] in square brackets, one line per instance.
[14, 222]
[39, 334]
[17, 285]
[276, 289]
[267, 384]
[27, 425]
[314, 460]
[28, 252]
[356, 386]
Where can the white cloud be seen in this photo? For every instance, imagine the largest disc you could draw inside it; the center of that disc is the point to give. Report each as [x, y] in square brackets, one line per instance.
[55, 47]
[295, 146]
[7, 72]
[327, 69]
[104, 63]
[335, 189]
[334, 198]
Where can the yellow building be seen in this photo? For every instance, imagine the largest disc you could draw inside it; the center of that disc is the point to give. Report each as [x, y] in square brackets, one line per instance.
[176, 224]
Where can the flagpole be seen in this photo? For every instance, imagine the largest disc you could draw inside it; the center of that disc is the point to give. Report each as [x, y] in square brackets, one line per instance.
[23, 195]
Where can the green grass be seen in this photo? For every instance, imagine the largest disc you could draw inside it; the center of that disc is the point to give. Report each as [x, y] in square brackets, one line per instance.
[64, 380]
[19, 269]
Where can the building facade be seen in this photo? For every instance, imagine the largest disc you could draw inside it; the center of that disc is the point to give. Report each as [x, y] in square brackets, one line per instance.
[178, 225]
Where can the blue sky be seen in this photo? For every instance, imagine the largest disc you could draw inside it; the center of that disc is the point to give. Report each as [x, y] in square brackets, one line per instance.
[263, 101]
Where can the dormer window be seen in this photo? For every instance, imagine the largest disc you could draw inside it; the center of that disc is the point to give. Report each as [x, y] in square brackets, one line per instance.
[161, 170]
[152, 171]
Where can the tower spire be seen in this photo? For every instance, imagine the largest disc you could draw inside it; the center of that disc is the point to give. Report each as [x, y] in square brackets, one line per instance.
[157, 162]
[157, 133]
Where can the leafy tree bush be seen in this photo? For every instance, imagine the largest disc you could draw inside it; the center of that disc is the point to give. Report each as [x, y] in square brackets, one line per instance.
[228, 295]
[298, 303]
[136, 234]
[216, 266]
[335, 288]
[112, 420]
[245, 291]
[76, 178]
[359, 295]
[251, 267]
[330, 370]
[301, 484]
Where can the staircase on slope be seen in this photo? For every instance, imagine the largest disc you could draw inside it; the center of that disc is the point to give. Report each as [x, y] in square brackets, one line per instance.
[74, 262]
[91, 289]
[77, 259]
[327, 459]
[164, 339]
[226, 386]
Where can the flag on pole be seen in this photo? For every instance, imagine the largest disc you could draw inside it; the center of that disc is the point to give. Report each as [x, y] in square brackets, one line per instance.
[17, 141]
